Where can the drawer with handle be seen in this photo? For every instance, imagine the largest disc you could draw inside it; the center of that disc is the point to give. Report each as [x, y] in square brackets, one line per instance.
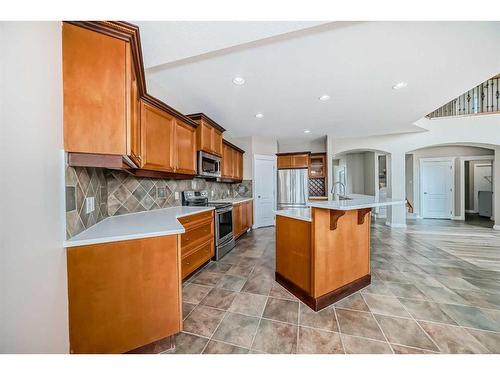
[192, 220]
[196, 258]
[197, 235]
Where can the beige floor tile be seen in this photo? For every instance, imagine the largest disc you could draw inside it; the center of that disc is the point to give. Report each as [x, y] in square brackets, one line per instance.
[275, 337]
[313, 341]
[358, 345]
[405, 332]
[203, 321]
[237, 329]
[324, 319]
[248, 304]
[359, 323]
[281, 310]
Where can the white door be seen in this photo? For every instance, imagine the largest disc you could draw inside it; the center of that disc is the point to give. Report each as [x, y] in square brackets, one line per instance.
[265, 190]
[482, 181]
[437, 189]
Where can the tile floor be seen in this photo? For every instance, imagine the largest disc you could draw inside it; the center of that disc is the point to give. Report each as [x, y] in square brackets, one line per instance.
[435, 289]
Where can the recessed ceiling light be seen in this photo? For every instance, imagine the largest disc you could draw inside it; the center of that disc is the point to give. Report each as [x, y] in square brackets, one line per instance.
[259, 115]
[239, 81]
[400, 85]
[324, 98]
[307, 131]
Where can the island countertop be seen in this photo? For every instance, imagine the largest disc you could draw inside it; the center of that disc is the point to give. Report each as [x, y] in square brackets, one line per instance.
[302, 213]
[356, 202]
[154, 223]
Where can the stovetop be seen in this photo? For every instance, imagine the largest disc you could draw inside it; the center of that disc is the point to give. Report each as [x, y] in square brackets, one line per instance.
[219, 204]
[200, 198]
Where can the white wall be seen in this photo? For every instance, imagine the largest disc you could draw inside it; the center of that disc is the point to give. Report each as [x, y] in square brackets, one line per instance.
[299, 145]
[468, 130]
[444, 151]
[370, 175]
[33, 285]
[251, 146]
[409, 178]
[355, 182]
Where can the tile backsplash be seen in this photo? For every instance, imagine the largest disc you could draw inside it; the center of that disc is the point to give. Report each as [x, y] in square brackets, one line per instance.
[118, 193]
[82, 183]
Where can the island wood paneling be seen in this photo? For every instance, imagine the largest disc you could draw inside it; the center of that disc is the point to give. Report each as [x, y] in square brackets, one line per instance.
[123, 295]
[341, 255]
[293, 251]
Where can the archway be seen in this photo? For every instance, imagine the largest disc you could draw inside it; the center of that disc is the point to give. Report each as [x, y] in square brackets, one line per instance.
[463, 160]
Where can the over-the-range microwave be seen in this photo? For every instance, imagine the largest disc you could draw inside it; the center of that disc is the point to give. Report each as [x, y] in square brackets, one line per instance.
[208, 165]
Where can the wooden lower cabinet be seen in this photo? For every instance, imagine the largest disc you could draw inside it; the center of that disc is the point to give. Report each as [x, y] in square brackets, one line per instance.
[123, 295]
[242, 218]
[197, 243]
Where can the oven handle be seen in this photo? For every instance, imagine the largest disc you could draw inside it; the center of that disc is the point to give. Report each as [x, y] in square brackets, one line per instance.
[223, 211]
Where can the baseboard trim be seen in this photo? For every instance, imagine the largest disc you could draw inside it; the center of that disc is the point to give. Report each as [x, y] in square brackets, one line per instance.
[326, 299]
[395, 225]
[158, 346]
[496, 227]
[460, 218]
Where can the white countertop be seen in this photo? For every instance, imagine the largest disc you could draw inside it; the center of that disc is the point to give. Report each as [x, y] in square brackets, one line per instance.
[356, 202]
[231, 200]
[154, 223]
[303, 213]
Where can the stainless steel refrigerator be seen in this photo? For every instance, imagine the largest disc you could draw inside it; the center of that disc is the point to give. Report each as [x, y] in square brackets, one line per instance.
[292, 188]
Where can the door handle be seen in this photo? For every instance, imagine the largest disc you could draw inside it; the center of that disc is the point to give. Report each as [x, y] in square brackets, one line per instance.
[258, 196]
[425, 192]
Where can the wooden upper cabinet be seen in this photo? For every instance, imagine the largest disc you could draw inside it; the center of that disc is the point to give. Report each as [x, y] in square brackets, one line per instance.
[204, 137]
[185, 148]
[157, 139]
[238, 172]
[100, 94]
[134, 144]
[284, 161]
[232, 162]
[227, 161]
[295, 160]
[208, 134]
[300, 161]
[317, 165]
[217, 142]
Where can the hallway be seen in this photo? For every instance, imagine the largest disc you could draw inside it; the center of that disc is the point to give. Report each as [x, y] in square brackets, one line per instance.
[435, 289]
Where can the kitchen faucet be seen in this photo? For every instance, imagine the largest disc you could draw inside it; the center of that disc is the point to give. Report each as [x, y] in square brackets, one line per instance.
[339, 196]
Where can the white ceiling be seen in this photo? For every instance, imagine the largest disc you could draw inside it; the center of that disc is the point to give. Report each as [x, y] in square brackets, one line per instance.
[191, 66]
[166, 42]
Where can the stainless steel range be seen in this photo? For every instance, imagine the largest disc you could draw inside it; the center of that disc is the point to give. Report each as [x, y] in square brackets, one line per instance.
[224, 238]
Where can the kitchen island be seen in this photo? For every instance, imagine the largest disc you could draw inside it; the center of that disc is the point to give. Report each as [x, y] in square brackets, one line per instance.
[323, 251]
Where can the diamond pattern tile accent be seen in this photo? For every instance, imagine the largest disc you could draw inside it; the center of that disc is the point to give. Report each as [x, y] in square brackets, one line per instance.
[118, 193]
[84, 183]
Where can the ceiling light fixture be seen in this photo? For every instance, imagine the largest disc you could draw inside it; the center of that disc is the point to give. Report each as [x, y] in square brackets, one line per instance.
[400, 85]
[259, 115]
[239, 81]
[307, 131]
[324, 98]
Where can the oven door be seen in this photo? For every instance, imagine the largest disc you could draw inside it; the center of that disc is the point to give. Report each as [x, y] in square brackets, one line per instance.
[224, 225]
[208, 165]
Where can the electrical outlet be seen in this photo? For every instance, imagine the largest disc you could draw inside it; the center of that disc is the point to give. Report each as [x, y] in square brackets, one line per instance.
[89, 205]
[176, 195]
